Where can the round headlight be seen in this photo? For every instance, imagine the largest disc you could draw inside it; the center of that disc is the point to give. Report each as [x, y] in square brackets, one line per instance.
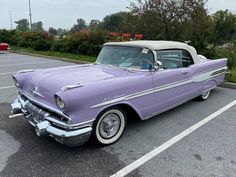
[15, 82]
[60, 103]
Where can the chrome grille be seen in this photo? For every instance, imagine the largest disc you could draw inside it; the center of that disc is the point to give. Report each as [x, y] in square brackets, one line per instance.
[35, 111]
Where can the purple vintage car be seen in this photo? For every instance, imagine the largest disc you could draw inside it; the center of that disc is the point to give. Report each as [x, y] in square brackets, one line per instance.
[93, 101]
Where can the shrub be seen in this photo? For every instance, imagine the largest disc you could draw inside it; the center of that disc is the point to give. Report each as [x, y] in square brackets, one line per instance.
[8, 36]
[91, 42]
[34, 39]
[227, 52]
[41, 45]
[84, 42]
[60, 45]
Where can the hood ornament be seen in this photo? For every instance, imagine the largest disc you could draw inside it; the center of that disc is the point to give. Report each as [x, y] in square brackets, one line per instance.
[35, 91]
[68, 87]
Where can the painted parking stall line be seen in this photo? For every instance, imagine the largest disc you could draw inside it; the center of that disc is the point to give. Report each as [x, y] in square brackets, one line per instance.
[134, 165]
[7, 73]
[32, 63]
[7, 87]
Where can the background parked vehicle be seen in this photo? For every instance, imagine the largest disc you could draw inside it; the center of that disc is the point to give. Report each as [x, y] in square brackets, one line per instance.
[4, 46]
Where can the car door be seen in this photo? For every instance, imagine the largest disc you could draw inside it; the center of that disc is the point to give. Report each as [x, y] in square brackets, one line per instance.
[171, 84]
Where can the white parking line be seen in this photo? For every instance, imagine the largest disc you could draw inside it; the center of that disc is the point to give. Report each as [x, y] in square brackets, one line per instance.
[29, 63]
[7, 87]
[1, 74]
[134, 165]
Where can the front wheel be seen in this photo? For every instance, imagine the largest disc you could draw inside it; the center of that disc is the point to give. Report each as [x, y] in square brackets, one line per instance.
[204, 95]
[109, 126]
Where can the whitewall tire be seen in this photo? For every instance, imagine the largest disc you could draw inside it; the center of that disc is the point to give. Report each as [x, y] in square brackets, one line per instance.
[109, 126]
[204, 96]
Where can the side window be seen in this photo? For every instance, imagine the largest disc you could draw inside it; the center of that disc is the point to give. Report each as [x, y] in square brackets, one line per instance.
[186, 58]
[146, 61]
[170, 58]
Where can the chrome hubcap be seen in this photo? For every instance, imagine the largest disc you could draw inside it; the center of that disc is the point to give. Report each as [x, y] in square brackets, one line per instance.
[205, 94]
[109, 126]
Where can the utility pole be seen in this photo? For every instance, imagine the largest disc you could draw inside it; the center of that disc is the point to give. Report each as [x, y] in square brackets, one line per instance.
[10, 19]
[30, 15]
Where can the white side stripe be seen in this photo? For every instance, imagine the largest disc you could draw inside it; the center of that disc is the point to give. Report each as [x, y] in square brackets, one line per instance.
[196, 78]
[171, 142]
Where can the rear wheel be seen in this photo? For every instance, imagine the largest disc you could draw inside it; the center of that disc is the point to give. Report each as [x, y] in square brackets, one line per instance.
[204, 95]
[109, 126]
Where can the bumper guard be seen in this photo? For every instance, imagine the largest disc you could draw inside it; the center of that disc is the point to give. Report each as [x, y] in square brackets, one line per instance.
[71, 137]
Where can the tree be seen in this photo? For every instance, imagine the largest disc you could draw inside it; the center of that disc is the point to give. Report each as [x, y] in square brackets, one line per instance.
[81, 24]
[94, 24]
[113, 21]
[38, 26]
[52, 31]
[62, 32]
[224, 25]
[160, 19]
[199, 29]
[22, 25]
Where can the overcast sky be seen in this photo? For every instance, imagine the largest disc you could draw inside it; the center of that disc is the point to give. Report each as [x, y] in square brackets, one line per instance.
[63, 13]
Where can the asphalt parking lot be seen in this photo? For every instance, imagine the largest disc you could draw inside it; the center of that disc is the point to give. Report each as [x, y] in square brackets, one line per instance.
[210, 150]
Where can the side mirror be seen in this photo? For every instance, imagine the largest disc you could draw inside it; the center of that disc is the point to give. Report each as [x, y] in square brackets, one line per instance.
[157, 65]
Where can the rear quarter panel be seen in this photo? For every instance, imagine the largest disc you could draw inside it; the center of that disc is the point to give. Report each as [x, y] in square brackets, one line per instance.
[205, 75]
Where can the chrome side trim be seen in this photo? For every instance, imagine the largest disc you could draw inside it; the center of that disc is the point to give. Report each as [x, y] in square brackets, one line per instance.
[197, 78]
[219, 72]
[208, 75]
[128, 97]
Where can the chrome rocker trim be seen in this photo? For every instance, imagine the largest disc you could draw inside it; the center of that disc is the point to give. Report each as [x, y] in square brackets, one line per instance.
[46, 124]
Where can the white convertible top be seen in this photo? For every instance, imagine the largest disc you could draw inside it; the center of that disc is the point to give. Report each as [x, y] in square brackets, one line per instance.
[158, 45]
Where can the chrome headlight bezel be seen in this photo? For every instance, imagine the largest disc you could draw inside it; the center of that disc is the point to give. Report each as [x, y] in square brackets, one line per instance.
[60, 102]
[15, 81]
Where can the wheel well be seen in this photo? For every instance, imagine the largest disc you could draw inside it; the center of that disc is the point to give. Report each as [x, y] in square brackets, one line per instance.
[209, 85]
[129, 111]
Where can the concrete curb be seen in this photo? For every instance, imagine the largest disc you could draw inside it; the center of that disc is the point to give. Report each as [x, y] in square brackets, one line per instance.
[228, 85]
[51, 57]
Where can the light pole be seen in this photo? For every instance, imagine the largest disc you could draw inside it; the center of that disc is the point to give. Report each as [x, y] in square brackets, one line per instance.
[30, 15]
[10, 19]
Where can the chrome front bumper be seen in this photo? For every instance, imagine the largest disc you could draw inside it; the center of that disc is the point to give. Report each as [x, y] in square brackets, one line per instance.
[47, 124]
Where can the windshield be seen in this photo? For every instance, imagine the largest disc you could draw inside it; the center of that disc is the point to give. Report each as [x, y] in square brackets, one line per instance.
[127, 57]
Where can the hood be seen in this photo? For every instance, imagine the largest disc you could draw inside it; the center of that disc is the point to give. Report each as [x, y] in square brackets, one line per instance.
[45, 83]
[56, 78]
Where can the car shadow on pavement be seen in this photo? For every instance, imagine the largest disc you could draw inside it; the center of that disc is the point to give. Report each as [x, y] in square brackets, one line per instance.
[42, 156]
